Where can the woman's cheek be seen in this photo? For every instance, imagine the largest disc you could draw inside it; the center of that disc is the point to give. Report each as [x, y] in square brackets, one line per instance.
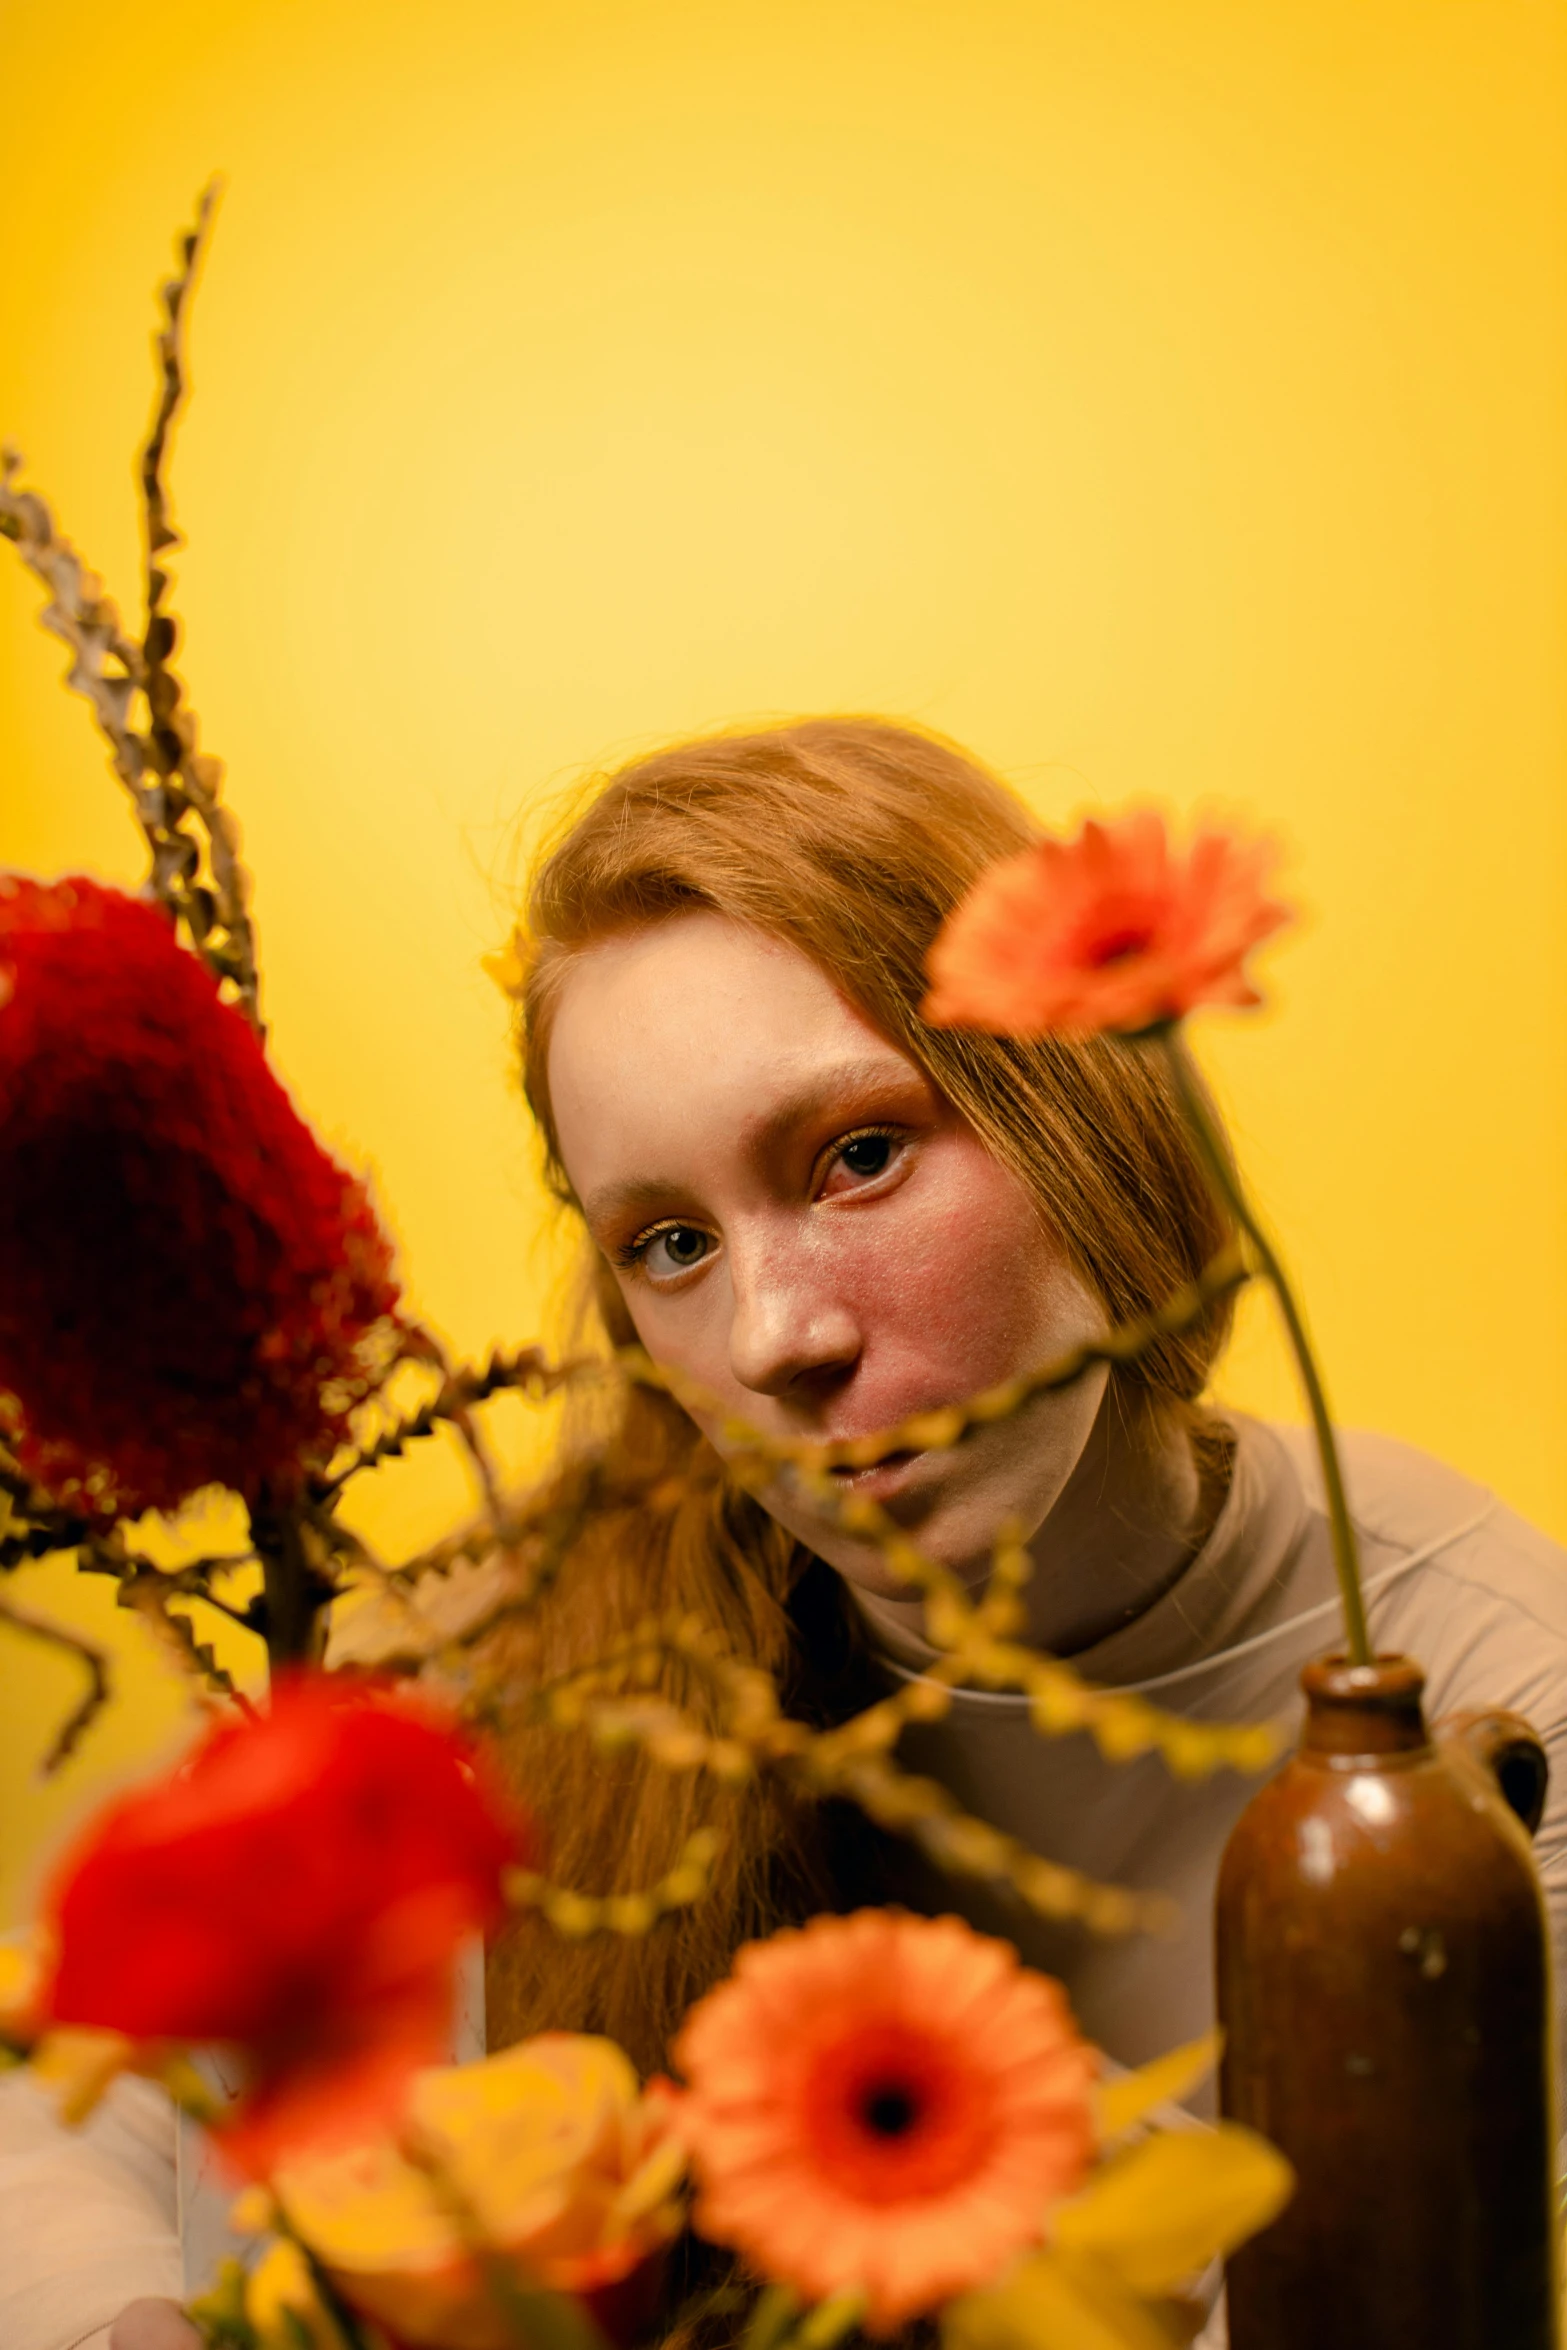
[959, 1270]
[684, 1330]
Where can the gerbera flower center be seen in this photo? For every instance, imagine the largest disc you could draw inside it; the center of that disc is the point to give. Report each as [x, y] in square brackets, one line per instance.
[1119, 946]
[896, 2115]
[889, 2108]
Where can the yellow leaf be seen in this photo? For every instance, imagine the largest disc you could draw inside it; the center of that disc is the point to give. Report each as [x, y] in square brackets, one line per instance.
[1052, 2303]
[1122, 2103]
[1158, 2214]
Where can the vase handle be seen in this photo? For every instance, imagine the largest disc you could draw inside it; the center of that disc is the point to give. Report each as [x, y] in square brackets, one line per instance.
[1509, 1752]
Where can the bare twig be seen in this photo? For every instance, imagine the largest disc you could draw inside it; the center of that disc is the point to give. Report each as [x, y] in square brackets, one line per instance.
[527, 1370]
[148, 1594]
[168, 779]
[422, 1344]
[94, 1663]
[217, 916]
[580, 1914]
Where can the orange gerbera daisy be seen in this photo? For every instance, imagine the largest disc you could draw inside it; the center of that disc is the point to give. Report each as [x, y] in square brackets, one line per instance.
[1115, 929]
[884, 2102]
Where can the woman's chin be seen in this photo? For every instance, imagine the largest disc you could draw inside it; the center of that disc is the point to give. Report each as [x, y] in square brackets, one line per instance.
[954, 1536]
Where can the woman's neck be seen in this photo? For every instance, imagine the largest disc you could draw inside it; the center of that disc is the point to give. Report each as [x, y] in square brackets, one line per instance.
[1135, 1513]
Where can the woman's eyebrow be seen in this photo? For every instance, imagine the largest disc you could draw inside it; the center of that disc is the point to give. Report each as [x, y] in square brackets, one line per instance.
[641, 1194]
[841, 1088]
[835, 1090]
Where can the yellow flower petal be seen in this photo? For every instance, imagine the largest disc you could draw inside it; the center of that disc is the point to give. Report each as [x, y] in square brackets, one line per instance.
[550, 2145]
[655, 2182]
[282, 2304]
[365, 2208]
[509, 966]
[1158, 2214]
[1121, 2104]
[80, 2062]
[19, 1973]
[252, 2212]
[1052, 2303]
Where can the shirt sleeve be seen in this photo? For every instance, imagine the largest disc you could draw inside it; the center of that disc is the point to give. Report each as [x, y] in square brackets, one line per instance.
[88, 2217]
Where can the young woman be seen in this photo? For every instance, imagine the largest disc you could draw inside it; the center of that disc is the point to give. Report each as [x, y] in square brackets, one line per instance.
[829, 1216]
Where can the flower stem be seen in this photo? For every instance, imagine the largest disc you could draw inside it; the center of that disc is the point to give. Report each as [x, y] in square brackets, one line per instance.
[294, 1593]
[337, 2309]
[1346, 1553]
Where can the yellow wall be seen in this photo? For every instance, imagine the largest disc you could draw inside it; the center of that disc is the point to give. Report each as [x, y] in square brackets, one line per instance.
[1159, 395]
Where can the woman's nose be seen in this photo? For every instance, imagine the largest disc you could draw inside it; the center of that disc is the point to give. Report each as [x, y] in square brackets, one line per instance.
[788, 1332]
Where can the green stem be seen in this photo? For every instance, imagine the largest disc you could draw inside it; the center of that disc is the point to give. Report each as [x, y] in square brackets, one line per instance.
[1216, 1158]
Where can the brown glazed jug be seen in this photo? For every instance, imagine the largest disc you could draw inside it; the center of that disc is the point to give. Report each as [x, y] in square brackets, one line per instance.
[1384, 1994]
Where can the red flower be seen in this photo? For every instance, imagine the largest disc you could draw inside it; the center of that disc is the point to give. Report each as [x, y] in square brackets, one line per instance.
[187, 1280]
[297, 1890]
[1112, 930]
[883, 2102]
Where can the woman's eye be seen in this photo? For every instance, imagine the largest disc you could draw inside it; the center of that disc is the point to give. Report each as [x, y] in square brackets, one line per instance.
[674, 1248]
[860, 1158]
[866, 1154]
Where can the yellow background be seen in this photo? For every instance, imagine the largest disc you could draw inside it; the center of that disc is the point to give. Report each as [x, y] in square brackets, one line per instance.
[1160, 396]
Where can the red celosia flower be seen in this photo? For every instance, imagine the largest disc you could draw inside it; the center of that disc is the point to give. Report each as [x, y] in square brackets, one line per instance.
[886, 2102]
[187, 1279]
[296, 1890]
[1112, 930]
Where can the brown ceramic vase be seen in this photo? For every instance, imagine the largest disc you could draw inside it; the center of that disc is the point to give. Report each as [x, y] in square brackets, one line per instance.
[1384, 1993]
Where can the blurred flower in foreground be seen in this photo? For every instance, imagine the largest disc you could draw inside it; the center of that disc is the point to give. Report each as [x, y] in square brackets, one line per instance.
[1147, 2225]
[1115, 929]
[550, 2152]
[21, 1980]
[188, 1282]
[884, 2102]
[297, 1890]
[276, 2305]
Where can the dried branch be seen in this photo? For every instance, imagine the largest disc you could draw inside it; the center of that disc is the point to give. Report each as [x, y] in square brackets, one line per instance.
[578, 1915]
[95, 1664]
[106, 666]
[148, 1593]
[422, 1345]
[31, 1527]
[968, 1847]
[168, 779]
[106, 1554]
[852, 1761]
[526, 1370]
[216, 915]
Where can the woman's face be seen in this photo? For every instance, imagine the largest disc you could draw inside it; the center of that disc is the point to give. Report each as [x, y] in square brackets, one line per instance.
[804, 1226]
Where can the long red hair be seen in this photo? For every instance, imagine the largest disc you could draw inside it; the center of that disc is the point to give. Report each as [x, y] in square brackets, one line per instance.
[851, 839]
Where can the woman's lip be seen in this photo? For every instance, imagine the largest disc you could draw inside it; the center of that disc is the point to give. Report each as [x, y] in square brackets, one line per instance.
[878, 1478]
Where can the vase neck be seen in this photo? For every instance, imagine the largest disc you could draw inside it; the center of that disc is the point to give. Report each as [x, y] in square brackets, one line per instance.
[1363, 1709]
